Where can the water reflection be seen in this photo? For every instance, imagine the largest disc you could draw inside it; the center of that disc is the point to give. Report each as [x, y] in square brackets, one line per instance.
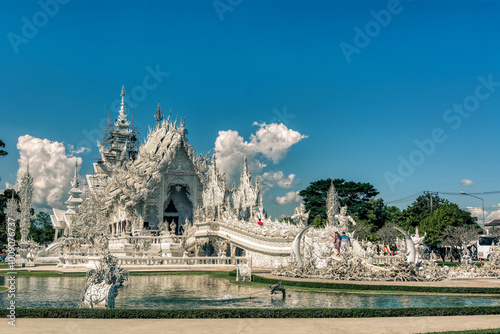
[201, 291]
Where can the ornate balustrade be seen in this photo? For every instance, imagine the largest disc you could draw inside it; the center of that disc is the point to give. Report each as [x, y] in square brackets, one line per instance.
[72, 261]
[121, 240]
[264, 242]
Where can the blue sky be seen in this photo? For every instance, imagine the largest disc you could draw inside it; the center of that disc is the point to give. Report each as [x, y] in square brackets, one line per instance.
[233, 63]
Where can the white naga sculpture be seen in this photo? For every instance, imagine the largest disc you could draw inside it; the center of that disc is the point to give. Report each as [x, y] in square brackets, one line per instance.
[301, 216]
[102, 284]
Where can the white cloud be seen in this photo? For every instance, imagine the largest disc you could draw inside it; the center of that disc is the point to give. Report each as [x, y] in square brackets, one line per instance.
[488, 216]
[270, 179]
[274, 140]
[290, 197]
[270, 142]
[467, 182]
[476, 212]
[80, 150]
[51, 168]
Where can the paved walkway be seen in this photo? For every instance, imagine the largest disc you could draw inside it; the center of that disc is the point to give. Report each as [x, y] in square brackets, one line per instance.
[247, 326]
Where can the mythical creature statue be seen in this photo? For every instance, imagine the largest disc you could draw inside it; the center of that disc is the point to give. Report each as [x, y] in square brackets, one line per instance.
[102, 284]
[344, 219]
[301, 215]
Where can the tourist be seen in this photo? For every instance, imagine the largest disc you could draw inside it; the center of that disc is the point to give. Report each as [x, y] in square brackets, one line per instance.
[336, 242]
[393, 249]
[344, 240]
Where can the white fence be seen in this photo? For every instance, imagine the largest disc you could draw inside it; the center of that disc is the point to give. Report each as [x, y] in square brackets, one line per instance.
[154, 262]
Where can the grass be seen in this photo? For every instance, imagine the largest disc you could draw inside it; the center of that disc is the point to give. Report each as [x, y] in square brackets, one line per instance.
[476, 331]
[226, 313]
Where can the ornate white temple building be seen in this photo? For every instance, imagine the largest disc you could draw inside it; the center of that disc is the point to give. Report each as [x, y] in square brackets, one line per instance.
[163, 191]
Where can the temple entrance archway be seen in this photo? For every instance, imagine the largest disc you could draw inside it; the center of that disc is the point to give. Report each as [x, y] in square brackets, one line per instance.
[177, 207]
[171, 215]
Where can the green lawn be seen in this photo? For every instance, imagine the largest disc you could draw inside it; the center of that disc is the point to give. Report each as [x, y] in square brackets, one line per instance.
[477, 331]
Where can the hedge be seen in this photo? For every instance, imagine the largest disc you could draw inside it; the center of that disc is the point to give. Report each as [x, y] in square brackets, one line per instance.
[366, 287]
[250, 313]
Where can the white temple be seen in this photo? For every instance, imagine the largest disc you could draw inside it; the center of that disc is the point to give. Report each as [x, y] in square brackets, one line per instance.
[162, 199]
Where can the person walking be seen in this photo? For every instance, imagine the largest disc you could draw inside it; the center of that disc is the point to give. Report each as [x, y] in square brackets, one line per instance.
[344, 240]
[336, 242]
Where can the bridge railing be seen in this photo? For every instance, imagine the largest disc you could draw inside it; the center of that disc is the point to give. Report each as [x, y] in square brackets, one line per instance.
[120, 240]
[156, 261]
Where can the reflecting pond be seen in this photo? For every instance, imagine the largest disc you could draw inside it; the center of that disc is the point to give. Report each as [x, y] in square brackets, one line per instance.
[202, 291]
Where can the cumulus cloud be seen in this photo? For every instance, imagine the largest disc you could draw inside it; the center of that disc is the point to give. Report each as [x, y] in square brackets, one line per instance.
[271, 142]
[290, 197]
[488, 216]
[274, 140]
[51, 168]
[270, 179]
[476, 212]
[80, 150]
[467, 182]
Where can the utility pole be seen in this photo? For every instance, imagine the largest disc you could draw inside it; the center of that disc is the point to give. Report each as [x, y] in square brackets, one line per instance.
[430, 193]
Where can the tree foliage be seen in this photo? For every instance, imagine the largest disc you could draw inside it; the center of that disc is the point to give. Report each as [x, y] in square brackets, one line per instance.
[377, 214]
[2, 152]
[41, 230]
[356, 195]
[418, 211]
[447, 214]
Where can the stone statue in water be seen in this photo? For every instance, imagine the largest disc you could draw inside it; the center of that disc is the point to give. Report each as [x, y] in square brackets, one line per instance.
[102, 284]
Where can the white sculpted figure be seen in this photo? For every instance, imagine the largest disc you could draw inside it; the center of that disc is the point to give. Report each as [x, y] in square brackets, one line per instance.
[418, 241]
[343, 219]
[301, 215]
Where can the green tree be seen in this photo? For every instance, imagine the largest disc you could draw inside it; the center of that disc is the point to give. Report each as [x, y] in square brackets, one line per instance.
[356, 195]
[2, 152]
[41, 230]
[447, 214]
[377, 214]
[418, 211]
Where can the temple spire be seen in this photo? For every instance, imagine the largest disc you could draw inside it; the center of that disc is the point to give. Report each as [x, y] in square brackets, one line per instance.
[74, 199]
[158, 115]
[75, 182]
[122, 121]
[122, 108]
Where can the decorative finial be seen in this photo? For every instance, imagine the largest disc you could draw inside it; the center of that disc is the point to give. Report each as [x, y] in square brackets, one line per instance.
[75, 182]
[158, 115]
[122, 108]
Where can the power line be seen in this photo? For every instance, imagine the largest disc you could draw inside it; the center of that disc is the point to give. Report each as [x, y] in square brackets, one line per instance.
[404, 199]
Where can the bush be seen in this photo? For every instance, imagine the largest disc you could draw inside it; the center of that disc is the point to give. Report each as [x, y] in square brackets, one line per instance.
[366, 287]
[86, 313]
